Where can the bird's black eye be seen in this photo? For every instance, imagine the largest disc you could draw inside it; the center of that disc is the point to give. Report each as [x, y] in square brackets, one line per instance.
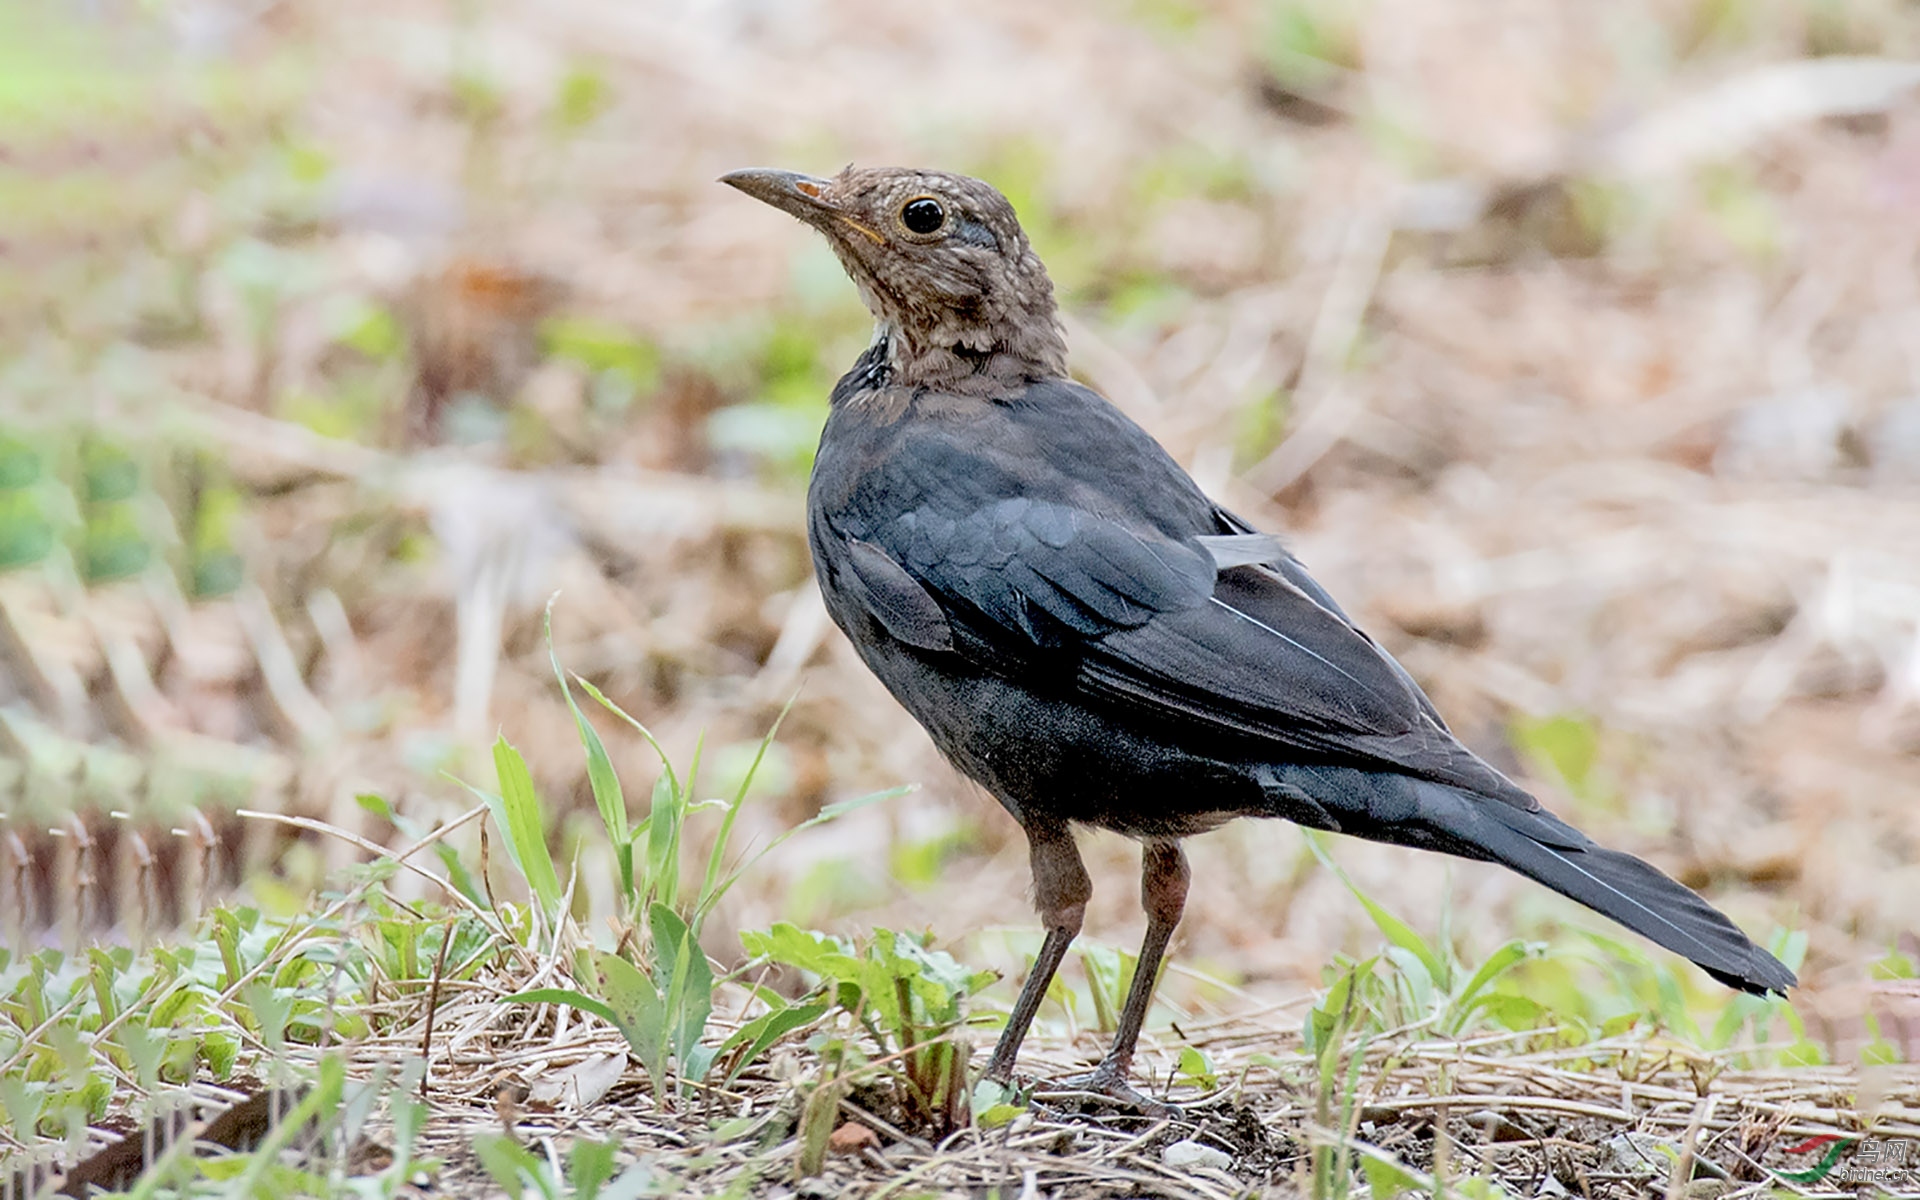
[923, 215]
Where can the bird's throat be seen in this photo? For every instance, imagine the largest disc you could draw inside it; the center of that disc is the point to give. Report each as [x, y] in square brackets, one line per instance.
[986, 362]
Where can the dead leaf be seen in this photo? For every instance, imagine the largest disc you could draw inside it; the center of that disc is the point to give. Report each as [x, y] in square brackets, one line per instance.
[852, 1138]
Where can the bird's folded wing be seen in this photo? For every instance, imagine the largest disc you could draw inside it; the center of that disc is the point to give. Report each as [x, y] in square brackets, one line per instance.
[1190, 629]
[1038, 572]
[1260, 656]
[1157, 620]
[1263, 658]
[1293, 572]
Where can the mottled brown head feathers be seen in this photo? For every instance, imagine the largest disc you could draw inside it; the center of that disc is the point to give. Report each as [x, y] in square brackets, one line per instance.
[962, 300]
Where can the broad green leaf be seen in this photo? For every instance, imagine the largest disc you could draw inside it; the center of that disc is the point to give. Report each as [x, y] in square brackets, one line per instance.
[589, 1166]
[272, 1010]
[820, 954]
[1387, 1178]
[642, 1015]
[220, 1052]
[1472, 997]
[689, 997]
[1513, 1012]
[1195, 1066]
[144, 1048]
[23, 1102]
[937, 982]
[759, 1034]
[507, 1161]
[698, 1061]
[102, 970]
[993, 1116]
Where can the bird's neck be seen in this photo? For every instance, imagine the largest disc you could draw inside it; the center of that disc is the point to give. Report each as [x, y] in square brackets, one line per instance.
[972, 360]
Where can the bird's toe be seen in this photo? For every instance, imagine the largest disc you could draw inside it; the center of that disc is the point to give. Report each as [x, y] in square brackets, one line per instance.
[1104, 1089]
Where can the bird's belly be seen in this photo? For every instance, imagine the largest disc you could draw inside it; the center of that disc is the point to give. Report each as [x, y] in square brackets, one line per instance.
[1044, 752]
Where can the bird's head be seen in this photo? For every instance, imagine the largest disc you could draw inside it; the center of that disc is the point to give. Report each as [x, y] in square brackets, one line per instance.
[941, 262]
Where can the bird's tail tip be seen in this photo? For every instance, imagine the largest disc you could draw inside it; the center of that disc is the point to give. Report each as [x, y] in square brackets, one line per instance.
[1766, 976]
[1617, 885]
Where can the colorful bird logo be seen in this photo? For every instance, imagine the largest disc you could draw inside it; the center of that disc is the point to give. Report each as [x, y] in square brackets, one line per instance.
[1836, 1146]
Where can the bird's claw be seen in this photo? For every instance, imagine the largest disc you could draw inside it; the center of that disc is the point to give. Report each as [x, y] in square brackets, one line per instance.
[1106, 1087]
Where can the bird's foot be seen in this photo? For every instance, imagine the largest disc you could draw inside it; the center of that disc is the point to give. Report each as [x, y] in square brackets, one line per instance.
[1106, 1087]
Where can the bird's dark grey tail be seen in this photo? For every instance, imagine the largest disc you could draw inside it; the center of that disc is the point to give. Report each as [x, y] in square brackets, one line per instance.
[1639, 896]
[1537, 844]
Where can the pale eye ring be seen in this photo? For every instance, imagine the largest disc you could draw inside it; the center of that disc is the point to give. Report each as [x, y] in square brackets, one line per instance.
[923, 215]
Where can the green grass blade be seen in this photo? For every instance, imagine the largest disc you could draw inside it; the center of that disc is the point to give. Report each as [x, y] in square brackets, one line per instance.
[1497, 964]
[568, 997]
[714, 878]
[322, 1098]
[644, 732]
[1396, 931]
[663, 838]
[523, 827]
[829, 812]
[457, 873]
[607, 795]
[689, 790]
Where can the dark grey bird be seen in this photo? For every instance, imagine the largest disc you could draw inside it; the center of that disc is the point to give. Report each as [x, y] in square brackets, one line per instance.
[1096, 642]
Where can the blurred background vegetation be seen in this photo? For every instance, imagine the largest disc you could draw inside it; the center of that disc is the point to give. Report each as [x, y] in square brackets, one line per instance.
[1576, 347]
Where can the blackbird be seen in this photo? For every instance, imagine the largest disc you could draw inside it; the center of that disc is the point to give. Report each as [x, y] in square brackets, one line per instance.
[1088, 636]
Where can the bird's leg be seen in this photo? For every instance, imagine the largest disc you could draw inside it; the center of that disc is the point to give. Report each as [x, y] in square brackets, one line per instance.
[1060, 891]
[1163, 893]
